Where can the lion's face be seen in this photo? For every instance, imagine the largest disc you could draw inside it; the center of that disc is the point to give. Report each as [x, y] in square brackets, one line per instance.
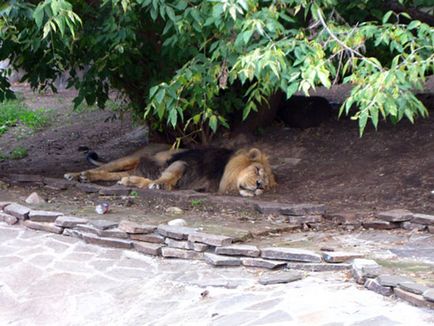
[253, 180]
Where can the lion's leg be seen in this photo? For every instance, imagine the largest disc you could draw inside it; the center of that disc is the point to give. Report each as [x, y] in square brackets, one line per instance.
[135, 181]
[103, 176]
[170, 176]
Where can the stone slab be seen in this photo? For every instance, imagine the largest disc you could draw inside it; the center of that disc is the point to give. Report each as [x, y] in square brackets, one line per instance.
[47, 227]
[69, 221]
[136, 228]
[291, 254]
[373, 285]
[196, 246]
[319, 267]
[423, 219]
[289, 209]
[428, 295]
[280, 277]
[262, 263]
[19, 211]
[391, 280]
[431, 229]
[3, 204]
[180, 253]
[210, 239]
[44, 216]
[413, 226]
[152, 249]
[88, 187]
[151, 237]
[72, 233]
[238, 250]
[415, 299]
[107, 242]
[340, 256]
[180, 244]
[305, 219]
[115, 190]
[217, 260]
[175, 232]
[103, 224]
[9, 219]
[112, 233]
[86, 228]
[56, 184]
[365, 268]
[395, 215]
[412, 287]
[380, 225]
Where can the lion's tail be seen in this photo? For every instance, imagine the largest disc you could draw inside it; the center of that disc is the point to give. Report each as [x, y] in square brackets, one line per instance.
[93, 158]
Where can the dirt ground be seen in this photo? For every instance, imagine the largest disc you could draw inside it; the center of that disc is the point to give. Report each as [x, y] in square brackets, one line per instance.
[389, 168]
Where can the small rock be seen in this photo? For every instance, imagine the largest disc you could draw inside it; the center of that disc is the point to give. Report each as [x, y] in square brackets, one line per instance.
[429, 295]
[103, 224]
[415, 299]
[413, 226]
[180, 253]
[412, 287]
[9, 219]
[47, 227]
[72, 233]
[318, 267]
[395, 215]
[391, 280]
[34, 199]
[177, 222]
[44, 216]
[56, 184]
[373, 285]
[291, 254]
[174, 210]
[175, 232]
[152, 249]
[217, 260]
[136, 228]
[19, 211]
[88, 188]
[280, 277]
[262, 263]
[107, 242]
[69, 221]
[423, 219]
[151, 237]
[340, 256]
[238, 250]
[210, 239]
[365, 268]
[380, 225]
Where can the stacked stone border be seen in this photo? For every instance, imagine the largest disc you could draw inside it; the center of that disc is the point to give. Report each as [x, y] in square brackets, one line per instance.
[169, 241]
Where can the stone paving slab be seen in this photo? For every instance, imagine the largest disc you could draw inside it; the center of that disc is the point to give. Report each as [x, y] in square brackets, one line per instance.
[40, 286]
[19, 211]
[238, 250]
[70, 221]
[44, 216]
[47, 227]
[291, 254]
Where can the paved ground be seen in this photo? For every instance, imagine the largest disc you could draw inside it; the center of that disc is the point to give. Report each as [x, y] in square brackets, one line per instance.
[54, 280]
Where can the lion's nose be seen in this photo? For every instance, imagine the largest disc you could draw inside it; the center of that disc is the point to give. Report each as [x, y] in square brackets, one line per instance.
[259, 185]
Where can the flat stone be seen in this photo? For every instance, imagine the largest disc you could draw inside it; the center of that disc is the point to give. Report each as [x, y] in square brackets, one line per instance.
[152, 238]
[180, 244]
[103, 224]
[395, 215]
[56, 184]
[180, 253]
[86, 228]
[72, 233]
[319, 267]
[365, 268]
[25, 178]
[152, 249]
[112, 233]
[69, 221]
[47, 227]
[196, 246]
[177, 222]
[291, 254]
[305, 219]
[413, 226]
[262, 263]
[431, 229]
[289, 209]
[116, 190]
[34, 199]
[373, 285]
[340, 256]
[107, 242]
[415, 299]
[136, 228]
[423, 219]
[238, 250]
[280, 277]
[210, 239]
[3, 204]
[380, 225]
[391, 280]
[9, 219]
[44, 216]
[174, 211]
[217, 260]
[175, 232]
[88, 187]
[412, 287]
[19, 211]
[429, 295]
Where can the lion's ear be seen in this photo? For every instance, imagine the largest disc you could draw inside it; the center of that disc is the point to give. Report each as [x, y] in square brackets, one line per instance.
[255, 154]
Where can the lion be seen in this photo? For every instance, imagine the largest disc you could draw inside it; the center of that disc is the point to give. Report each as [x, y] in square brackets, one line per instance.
[225, 171]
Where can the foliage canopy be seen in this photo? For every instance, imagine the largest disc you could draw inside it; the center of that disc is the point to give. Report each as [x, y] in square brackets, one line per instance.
[190, 65]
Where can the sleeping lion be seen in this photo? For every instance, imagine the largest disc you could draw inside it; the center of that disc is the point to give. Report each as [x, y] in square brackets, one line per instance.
[246, 171]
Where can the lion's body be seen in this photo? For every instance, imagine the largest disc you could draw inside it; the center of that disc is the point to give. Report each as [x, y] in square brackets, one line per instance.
[210, 169]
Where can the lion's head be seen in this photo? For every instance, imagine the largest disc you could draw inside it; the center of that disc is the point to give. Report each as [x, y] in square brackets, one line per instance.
[249, 173]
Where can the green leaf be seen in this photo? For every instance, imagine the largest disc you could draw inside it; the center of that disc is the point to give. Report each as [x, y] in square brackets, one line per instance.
[387, 16]
[38, 15]
[213, 123]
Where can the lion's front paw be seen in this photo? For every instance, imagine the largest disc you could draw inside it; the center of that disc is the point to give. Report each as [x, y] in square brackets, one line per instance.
[125, 181]
[155, 185]
[71, 176]
[84, 177]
